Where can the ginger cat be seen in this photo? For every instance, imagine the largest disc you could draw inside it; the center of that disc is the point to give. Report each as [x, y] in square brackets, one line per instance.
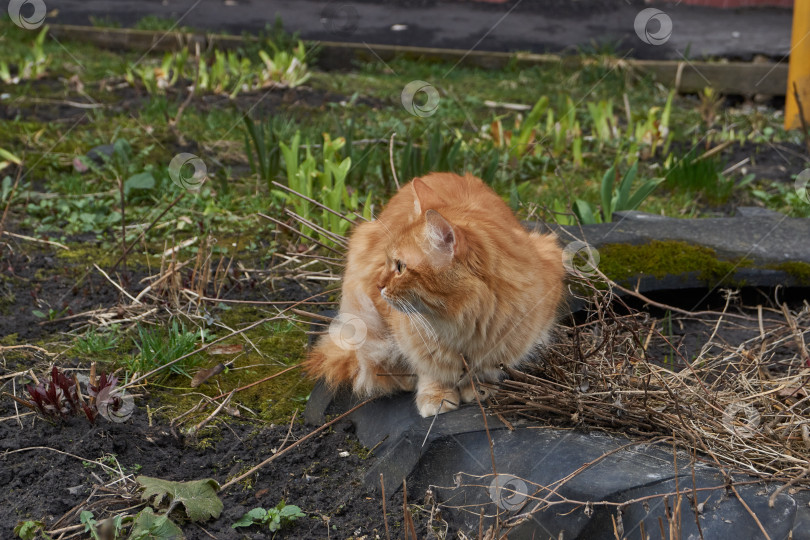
[447, 270]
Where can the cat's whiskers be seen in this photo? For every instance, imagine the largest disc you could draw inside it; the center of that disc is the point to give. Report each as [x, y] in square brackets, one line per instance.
[421, 319]
[417, 320]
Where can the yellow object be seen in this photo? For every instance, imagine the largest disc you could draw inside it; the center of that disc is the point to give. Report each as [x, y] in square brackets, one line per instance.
[799, 67]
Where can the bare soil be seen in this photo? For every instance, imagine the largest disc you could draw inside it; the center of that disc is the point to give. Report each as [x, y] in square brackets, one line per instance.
[46, 468]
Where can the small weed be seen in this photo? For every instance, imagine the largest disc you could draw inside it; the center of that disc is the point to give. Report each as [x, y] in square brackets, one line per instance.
[31, 530]
[95, 341]
[32, 65]
[710, 102]
[691, 174]
[51, 315]
[160, 346]
[604, 122]
[90, 524]
[275, 518]
[618, 199]
[782, 197]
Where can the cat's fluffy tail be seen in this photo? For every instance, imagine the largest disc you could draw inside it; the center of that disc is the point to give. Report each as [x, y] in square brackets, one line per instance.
[334, 365]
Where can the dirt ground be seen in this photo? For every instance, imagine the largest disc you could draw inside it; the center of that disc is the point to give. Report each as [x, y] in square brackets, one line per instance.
[43, 482]
[47, 468]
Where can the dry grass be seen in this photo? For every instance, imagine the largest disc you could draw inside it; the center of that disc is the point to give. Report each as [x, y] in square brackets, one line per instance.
[744, 405]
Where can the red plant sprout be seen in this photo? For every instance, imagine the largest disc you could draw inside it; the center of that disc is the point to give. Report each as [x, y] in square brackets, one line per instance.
[104, 393]
[104, 381]
[59, 398]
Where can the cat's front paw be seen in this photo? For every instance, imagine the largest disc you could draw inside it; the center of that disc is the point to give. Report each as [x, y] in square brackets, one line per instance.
[430, 402]
[468, 394]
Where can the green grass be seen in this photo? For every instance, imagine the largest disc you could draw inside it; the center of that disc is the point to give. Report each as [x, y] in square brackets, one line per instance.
[548, 175]
[97, 342]
[159, 346]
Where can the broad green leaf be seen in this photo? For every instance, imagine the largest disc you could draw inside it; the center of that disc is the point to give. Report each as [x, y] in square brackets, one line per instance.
[90, 524]
[257, 515]
[642, 193]
[30, 530]
[275, 522]
[584, 212]
[367, 207]
[291, 510]
[121, 149]
[290, 154]
[150, 526]
[143, 180]
[198, 497]
[562, 214]
[747, 179]
[667, 109]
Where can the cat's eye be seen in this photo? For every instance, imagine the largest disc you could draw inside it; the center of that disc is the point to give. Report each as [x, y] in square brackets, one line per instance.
[400, 266]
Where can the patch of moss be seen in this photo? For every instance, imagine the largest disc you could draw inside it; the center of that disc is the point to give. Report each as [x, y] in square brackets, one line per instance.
[275, 400]
[796, 269]
[281, 346]
[358, 449]
[88, 253]
[622, 262]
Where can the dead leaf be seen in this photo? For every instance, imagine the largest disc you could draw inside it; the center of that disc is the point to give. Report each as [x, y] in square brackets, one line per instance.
[205, 374]
[792, 391]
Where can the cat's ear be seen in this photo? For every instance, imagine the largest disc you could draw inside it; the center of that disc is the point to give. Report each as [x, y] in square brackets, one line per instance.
[424, 197]
[440, 235]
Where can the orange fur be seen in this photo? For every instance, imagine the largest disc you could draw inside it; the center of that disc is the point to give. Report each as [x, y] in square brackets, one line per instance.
[446, 270]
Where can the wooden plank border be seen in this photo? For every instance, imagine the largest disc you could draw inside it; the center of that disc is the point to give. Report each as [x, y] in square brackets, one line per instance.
[687, 77]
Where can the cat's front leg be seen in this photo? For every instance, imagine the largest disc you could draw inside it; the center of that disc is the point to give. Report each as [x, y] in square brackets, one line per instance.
[380, 373]
[468, 391]
[434, 396]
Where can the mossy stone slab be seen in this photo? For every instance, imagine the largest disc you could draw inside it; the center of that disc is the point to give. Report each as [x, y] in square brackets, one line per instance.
[770, 238]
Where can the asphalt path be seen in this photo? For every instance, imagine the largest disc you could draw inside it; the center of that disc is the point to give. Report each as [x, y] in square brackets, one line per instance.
[560, 26]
